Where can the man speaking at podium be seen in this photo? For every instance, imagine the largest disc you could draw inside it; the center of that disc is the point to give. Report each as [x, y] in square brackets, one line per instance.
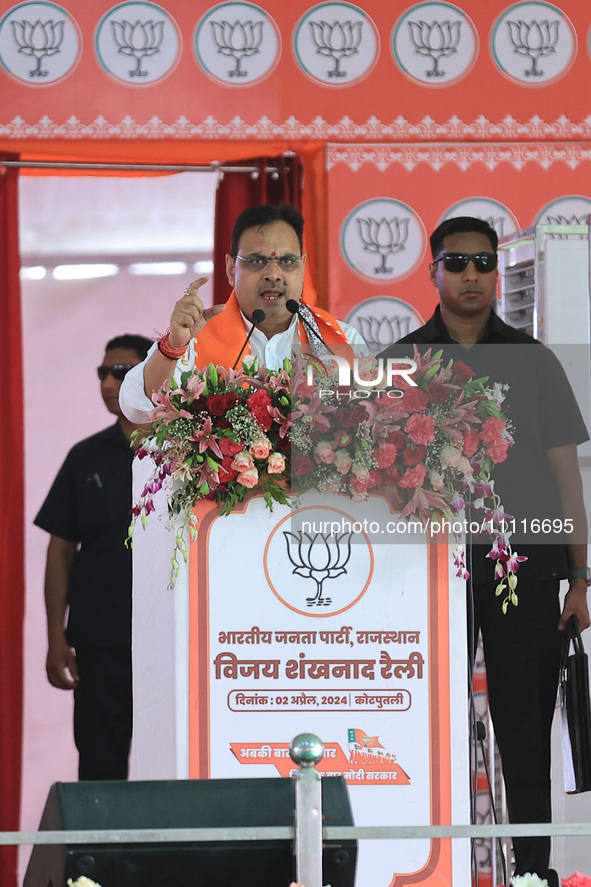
[263, 317]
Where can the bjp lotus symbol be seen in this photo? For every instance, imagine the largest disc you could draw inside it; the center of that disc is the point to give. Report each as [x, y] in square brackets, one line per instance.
[239, 40]
[436, 40]
[536, 40]
[314, 558]
[383, 237]
[38, 40]
[139, 40]
[336, 40]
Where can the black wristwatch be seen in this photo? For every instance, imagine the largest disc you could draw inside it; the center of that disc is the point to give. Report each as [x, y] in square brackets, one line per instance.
[580, 573]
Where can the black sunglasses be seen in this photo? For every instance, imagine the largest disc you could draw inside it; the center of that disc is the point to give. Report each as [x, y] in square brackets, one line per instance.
[456, 262]
[117, 370]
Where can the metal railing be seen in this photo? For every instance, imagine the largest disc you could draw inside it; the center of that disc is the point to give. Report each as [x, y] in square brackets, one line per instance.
[308, 831]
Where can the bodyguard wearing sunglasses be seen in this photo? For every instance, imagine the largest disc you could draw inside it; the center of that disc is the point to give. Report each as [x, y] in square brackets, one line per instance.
[88, 578]
[540, 478]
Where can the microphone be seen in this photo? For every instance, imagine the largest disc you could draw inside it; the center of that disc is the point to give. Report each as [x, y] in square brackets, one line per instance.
[294, 307]
[258, 315]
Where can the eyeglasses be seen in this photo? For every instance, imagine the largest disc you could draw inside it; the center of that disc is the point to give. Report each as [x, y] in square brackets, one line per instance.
[456, 262]
[117, 370]
[258, 262]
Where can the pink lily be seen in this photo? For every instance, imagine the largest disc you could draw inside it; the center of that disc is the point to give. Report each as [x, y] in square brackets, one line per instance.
[207, 439]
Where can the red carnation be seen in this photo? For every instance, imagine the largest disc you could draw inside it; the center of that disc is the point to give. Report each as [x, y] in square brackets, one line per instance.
[414, 477]
[229, 447]
[414, 400]
[421, 429]
[263, 418]
[258, 399]
[385, 455]
[492, 430]
[498, 450]
[471, 441]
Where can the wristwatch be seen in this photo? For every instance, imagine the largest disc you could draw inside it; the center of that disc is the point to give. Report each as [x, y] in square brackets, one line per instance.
[580, 573]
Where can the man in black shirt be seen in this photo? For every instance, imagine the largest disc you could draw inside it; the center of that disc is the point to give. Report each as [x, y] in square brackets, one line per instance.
[88, 574]
[539, 479]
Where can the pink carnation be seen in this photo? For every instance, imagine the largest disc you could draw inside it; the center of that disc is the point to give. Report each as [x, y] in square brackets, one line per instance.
[385, 455]
[421, 429]
[414, 400]
[492, 430]
[498, 450]
[413, 477]
[576, 880]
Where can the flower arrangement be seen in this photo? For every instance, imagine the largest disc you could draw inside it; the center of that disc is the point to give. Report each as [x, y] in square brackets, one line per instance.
[220, 433]
[434, 445]
[217, 435]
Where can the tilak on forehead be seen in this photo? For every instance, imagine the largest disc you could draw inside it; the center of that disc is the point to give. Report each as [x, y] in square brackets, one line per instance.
[273, 254]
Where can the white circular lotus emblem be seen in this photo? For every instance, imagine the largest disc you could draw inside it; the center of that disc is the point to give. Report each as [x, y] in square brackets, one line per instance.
[40, 43]
[138, 43]
[435, 43]
[492, 211]
[383, 239]
[533, 43]
[237, 44]
[571, 209]
[384, 320]
[313, 567]
[336, 44]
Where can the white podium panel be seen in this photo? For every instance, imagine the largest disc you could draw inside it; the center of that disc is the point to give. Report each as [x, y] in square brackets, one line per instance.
[307, 620]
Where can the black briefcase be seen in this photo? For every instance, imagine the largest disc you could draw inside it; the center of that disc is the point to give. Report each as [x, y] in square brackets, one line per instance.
[575, 711]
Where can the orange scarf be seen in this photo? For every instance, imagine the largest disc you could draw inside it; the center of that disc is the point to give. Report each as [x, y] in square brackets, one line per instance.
[221, 339]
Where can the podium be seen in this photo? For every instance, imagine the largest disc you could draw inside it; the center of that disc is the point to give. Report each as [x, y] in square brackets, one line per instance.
[296, 621]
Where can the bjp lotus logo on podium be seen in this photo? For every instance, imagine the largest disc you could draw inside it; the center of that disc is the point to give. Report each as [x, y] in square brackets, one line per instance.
[322, 565]
[314, 557]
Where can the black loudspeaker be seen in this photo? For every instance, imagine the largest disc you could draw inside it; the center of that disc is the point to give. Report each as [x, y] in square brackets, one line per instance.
[212, 803]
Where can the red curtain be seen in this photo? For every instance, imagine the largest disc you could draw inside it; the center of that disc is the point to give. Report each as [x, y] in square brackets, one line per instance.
[12, 591]
[238, 191]
[182, 151]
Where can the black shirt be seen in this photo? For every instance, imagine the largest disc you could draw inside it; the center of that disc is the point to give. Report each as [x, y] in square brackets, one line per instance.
[543, 413]
[89, 504]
